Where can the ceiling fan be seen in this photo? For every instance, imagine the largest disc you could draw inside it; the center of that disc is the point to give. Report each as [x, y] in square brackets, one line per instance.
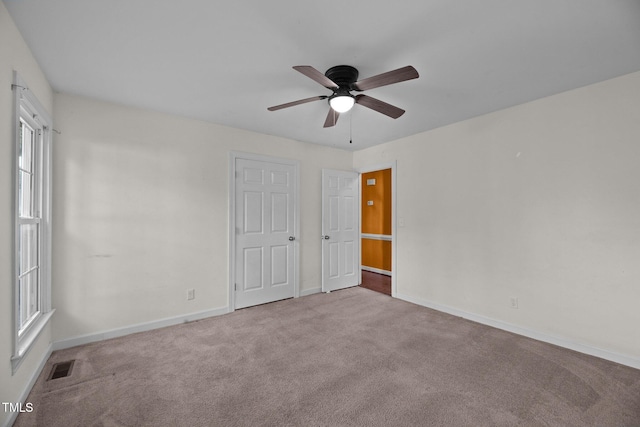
[342, 79]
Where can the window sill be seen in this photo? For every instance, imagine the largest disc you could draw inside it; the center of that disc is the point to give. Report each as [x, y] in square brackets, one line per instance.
[26, 342]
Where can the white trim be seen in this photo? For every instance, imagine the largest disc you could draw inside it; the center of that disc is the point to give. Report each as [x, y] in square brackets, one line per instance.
[385, 237]
[140, 327]
[233, 155]
[623, 359]
[32, 381]
[393, 165]
[33, 102]
[26, 342]
[377, 270]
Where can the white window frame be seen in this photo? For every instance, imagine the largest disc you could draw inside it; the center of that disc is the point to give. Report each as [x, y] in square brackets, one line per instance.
[27, 107]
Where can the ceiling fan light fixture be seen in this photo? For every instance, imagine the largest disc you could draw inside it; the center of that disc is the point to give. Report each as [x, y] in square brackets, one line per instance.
[342, 103]
[342, 79]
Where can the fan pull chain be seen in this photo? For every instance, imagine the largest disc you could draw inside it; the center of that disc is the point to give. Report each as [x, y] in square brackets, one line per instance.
[351, 127]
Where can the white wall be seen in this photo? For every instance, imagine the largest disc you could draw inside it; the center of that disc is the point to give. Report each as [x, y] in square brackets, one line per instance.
[539, 202]
[14, 55]
[141, 213]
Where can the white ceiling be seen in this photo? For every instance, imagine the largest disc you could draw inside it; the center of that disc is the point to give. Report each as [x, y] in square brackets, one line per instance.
[226, 62]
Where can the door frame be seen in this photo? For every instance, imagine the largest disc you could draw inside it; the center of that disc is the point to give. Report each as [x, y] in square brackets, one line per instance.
[394, 218]
[233, 155]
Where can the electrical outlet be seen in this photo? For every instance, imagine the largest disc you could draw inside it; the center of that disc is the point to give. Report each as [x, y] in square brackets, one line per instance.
[191, 294]
[514, 302]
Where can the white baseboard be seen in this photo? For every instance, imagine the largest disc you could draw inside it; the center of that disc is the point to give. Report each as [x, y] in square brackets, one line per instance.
[141, 327]
[32, 381]
[311, 291]
[622, 359]
[376, 270]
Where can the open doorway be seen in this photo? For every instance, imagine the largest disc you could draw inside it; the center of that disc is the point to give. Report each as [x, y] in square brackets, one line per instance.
[376, 282]
[377, 230]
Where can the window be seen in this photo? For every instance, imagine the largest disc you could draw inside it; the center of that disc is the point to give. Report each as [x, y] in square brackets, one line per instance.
[32, 267]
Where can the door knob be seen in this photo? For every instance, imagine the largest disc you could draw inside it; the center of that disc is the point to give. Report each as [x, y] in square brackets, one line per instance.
[291, 238]
[325, 237]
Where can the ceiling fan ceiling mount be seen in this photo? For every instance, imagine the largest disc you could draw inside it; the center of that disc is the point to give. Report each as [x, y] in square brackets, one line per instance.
[343, 75]
[342, 79]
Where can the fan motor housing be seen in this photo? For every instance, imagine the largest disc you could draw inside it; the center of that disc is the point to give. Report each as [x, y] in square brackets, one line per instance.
[343, 75]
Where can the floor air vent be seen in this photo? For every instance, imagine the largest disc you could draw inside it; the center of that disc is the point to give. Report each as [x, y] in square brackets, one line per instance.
[61, 370]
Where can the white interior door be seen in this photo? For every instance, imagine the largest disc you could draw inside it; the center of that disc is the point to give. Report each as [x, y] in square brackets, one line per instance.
[265, 214]
[340, 230]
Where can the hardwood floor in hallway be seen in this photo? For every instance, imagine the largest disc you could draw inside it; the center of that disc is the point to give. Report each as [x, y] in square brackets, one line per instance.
[376, 282]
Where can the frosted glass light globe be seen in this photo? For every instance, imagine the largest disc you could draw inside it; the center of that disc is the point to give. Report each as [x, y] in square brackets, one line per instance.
[342, 104]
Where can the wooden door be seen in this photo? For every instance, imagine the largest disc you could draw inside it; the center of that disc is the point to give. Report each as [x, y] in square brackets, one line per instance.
[340, 230]
[265, 231]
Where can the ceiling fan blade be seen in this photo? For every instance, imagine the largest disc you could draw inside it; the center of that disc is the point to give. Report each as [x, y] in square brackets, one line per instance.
[301, 101]
[316, 75]
[332, 118]
[390, 77]
[379, 106]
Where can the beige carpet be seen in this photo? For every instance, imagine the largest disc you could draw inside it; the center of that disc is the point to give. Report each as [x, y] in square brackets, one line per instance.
[349, 358]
